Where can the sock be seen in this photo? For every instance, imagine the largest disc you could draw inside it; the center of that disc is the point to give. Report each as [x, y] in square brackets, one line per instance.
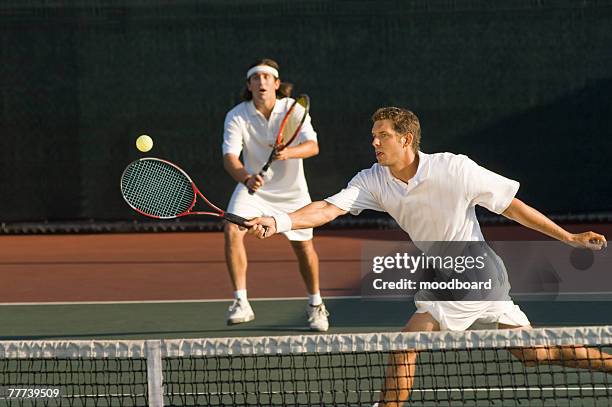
[240, 295]
[315, 299]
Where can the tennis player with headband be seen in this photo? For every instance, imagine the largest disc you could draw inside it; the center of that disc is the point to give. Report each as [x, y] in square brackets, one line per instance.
[251, 128]
[432, 197]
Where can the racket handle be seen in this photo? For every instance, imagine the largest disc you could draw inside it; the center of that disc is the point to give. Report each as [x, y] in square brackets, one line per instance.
[261, 173]
[238, 220]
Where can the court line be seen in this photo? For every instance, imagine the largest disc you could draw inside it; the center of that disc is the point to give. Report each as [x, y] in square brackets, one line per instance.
[218, 300]
[583, 388]
[349, 392]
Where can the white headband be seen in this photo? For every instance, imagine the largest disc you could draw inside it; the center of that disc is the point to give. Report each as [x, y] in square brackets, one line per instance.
[262, 68]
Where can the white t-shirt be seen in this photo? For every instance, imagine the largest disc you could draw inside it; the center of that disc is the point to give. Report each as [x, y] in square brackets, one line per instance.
[246, 130]
[438, 203]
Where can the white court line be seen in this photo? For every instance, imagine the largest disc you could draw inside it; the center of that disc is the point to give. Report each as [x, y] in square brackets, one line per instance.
[440, 390]
[502, 389]
[348, 297]
[339, 297]
[323, 393]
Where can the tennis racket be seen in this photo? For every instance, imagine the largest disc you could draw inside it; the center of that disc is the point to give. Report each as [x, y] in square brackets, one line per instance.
[289, 129]
[159, 189]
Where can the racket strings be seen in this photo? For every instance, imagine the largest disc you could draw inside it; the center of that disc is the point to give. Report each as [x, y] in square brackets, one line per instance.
[294, 120]
[157, 188]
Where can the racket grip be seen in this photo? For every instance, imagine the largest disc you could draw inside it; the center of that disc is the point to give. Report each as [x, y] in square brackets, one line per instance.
[261, 173]
[238, 220]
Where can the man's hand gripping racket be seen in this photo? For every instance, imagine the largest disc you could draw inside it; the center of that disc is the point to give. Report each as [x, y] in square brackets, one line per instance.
[159, 189]
[288, 131]
[262, 227]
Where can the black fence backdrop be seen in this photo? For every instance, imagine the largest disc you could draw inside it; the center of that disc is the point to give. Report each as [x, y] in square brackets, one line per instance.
[522, 87]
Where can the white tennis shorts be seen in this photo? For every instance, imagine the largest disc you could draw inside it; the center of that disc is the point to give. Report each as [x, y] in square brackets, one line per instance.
[252, 206]
[460, 315]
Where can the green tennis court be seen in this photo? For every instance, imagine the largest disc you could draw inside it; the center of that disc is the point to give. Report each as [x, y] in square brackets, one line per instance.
[301, 369]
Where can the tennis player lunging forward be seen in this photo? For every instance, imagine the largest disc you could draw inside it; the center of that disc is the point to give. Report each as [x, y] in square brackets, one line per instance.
[432, 197]
[251, 128]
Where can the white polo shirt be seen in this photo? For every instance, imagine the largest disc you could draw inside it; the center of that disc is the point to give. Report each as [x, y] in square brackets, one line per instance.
[248, 131]
[438, 203]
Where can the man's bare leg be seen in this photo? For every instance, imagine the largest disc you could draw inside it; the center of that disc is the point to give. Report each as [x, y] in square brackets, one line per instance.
[309, 264]
[235, 255]
[309, 269]
[576, 356]
[401, 367]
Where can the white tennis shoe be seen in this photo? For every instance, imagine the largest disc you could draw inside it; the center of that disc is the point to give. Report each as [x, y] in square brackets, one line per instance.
[240, 311]
[317, 317]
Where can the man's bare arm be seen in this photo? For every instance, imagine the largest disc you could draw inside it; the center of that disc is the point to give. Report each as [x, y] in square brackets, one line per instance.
[315, 214]
[306, 149]
[310, 216]
[235, 168]
[533, 219]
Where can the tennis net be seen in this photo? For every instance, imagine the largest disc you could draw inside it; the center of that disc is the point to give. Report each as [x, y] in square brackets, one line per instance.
[473, 368]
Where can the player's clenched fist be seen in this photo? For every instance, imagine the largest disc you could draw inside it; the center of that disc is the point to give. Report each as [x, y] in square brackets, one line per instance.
[588, 240]
[262, 227]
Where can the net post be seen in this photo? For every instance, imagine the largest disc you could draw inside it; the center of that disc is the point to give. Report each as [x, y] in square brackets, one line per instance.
[154, 373]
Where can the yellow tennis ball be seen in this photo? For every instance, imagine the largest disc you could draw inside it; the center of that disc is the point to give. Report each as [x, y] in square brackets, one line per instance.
[144, 143]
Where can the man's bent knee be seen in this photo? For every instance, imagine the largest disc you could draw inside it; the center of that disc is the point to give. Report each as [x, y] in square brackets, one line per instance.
[233, 231]
[302, 245]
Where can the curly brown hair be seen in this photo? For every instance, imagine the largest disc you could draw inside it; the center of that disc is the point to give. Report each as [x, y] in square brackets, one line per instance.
[283, 91]
[404, 122]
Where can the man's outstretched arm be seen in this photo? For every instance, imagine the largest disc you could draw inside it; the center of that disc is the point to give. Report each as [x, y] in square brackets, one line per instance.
[531, 218]
[312, 215]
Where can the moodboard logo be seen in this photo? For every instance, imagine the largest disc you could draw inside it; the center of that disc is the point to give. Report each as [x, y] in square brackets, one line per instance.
[476, 271]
